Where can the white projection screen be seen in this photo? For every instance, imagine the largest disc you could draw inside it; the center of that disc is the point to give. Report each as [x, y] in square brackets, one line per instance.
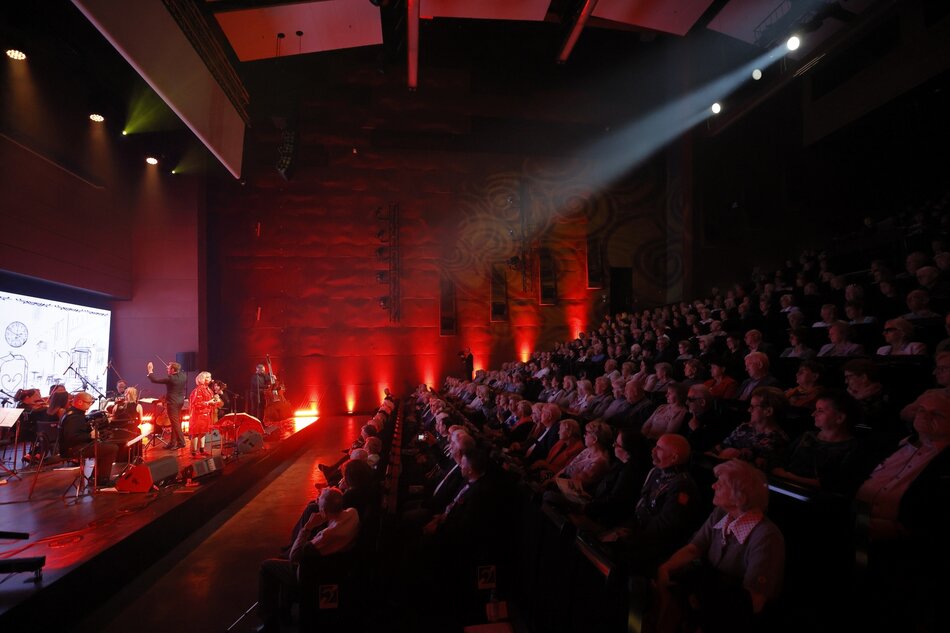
[50, 342]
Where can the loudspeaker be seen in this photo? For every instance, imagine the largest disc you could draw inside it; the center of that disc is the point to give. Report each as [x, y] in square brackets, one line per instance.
[203, 468]
[250, 441]
[187, 360]
[140, 476]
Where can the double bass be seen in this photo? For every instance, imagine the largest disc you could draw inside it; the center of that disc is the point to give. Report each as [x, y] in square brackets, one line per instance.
[278, 407]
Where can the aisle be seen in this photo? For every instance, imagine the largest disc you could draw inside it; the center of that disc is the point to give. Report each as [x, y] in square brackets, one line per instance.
[211, 579]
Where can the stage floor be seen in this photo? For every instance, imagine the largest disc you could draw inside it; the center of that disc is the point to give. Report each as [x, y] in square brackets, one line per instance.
[97, 545]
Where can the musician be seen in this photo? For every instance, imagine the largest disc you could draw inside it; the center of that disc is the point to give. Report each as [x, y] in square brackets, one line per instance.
[174, 400]
[76, 439]
[120, 388]
[220, 389]
[261, 383]
[127, 411]
[203, 406]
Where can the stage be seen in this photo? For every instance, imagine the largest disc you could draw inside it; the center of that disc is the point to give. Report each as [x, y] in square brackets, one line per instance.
[97, 544]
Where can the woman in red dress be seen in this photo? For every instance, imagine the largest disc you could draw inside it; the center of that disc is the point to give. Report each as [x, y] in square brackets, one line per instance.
[203, 404]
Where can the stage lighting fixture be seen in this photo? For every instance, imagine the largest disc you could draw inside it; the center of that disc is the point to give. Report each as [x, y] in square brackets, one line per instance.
[382, 253]
[757, 74]
[716, 108]
[96, 118]
[151, 160]
[793, 43]
[384, 303]
[382, 277]
[16, 55]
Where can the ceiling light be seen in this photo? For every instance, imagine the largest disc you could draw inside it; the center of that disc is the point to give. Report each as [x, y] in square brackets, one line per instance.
[97, 118]
[757, 74]
[793, 43]
[151, 160]
[716, 108]
[13, 53]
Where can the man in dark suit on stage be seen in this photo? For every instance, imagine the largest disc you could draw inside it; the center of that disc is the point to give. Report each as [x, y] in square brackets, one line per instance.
[174, 399]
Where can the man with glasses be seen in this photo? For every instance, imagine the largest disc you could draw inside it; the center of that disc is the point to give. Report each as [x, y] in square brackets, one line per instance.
[77, 440]
[904, 510]
[941, 374]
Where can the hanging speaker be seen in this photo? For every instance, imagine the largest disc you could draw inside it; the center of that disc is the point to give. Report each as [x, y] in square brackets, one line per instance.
[140, 476]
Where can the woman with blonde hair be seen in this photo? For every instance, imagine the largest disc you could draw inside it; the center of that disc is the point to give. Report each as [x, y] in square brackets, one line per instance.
[202, 403]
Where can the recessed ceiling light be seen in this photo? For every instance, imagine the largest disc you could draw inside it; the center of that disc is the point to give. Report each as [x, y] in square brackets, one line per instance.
[151, 160]
[13, 53]
[98, 118]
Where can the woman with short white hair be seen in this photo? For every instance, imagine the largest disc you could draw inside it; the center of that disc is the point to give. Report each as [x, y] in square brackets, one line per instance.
[736, 543]
[202, 403]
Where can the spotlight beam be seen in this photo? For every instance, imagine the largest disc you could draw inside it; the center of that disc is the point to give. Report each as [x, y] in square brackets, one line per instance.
[635, 143]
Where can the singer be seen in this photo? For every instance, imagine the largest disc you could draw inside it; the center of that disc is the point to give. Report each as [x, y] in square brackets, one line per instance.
[203, 405]
[174, 400]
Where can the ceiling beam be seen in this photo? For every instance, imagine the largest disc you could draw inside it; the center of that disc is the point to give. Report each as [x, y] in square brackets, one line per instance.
[575, 33]
[412, 47]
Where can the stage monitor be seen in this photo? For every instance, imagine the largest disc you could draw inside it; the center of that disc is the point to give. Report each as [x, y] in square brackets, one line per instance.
[50, 342]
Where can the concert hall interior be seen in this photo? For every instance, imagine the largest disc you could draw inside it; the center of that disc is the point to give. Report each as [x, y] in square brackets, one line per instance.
[347, 199]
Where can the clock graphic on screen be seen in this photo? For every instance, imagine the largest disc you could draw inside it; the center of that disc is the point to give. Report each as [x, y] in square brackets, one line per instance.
[16, 333]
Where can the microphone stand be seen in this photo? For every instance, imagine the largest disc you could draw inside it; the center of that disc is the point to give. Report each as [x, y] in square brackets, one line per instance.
[86, 384]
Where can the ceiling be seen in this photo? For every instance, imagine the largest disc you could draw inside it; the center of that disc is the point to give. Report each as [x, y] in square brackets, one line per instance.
[197, 54]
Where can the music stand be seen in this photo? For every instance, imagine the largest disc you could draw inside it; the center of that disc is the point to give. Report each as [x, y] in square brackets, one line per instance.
[9, 418]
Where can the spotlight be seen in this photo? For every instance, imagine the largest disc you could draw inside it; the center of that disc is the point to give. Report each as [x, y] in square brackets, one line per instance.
[716, 108]
[757, 74]
[174, 171]
[96, 118]
[14, 54]
[793, 43]
[124, 133]
[151, 160]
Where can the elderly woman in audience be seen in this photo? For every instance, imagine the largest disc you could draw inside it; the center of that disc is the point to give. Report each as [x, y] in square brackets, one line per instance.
[839, 345]
[693, 372]
[761, 440]
[587, 468]
[569, 444]
[567, 400]
[806, 389]
[797, 348]
[829, 459]
[615, 497]
[721, 385]
[897, 334]
[863, 384]
[669, 417]
[659, 381]
[585, 396]
[737, 544]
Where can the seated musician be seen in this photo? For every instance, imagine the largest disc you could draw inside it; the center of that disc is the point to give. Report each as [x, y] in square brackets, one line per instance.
[76, 439]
